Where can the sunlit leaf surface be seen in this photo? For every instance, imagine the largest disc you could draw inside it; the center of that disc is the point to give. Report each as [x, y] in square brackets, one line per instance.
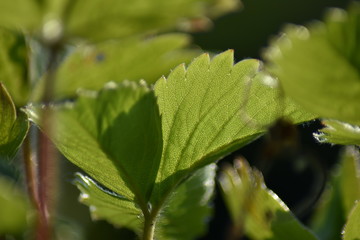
[13, 126]
[255, 210]
[352, 230]
[339, 133]
[339, 198]
[319, 66]
[142, 142]
[133, 59]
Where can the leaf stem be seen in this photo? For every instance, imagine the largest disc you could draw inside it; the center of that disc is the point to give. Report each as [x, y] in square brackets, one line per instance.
[47, 155]
[149, 227]
[29, 165]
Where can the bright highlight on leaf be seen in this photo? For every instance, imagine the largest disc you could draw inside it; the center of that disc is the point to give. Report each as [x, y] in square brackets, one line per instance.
[319, 66]
[352, 230]
[337, 132]
[13, 128]
[256, 211]
[148, 141]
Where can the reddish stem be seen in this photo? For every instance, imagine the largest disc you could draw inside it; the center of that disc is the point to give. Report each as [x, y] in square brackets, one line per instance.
[47, 157]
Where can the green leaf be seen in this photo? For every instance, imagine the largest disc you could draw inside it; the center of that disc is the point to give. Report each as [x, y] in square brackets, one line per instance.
[13, 65]
[19, 14]
[90, 67]
[256, 210]
[65, 19]
[13, 128]
[211, 109]
[186, 213]
[183, 216]
[339, 133]
[118, 18]
[108, 205]
[339, 198]
[142, 143]
[319, 66]
[14, 209]
[108, 133]
[352, 230]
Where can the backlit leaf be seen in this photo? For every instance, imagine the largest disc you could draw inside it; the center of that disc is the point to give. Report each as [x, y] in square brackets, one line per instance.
[209, 110]
[255, 210]
[133, 59]
[141, 143]
[352, 230]
[118, 18]
[339, 133]
[338, 200]
[13, 127]
[319, 66]
[183, 216]
[186, 215]
[109, 205]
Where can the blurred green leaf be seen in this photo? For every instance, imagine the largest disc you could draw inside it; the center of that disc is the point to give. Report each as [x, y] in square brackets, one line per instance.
[14, 209]
[118, 18]
[187, 212]
[142, 146]
[90, 67]
[56, 19]
[255, 210]
[20, 14]
[13, 65]
[338, 200]
[13, 128]
[352, 230]
[319, 66]
[339, 133]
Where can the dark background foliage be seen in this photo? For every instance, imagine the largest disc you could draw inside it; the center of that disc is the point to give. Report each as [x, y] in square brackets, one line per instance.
[295, 168]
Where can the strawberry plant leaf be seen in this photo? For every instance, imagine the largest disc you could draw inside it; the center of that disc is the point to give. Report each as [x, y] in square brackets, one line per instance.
[319, 66]
[339, 133]
[13, 65]
[188, 210]
[13, 127]
[108, 133]
[352, 230]
[339, 198]
[252, 206]
[183, 216]
[142, 143]
[108, 205]
[122, 19]
[208, 110]
[91, 66]
[14, 208]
